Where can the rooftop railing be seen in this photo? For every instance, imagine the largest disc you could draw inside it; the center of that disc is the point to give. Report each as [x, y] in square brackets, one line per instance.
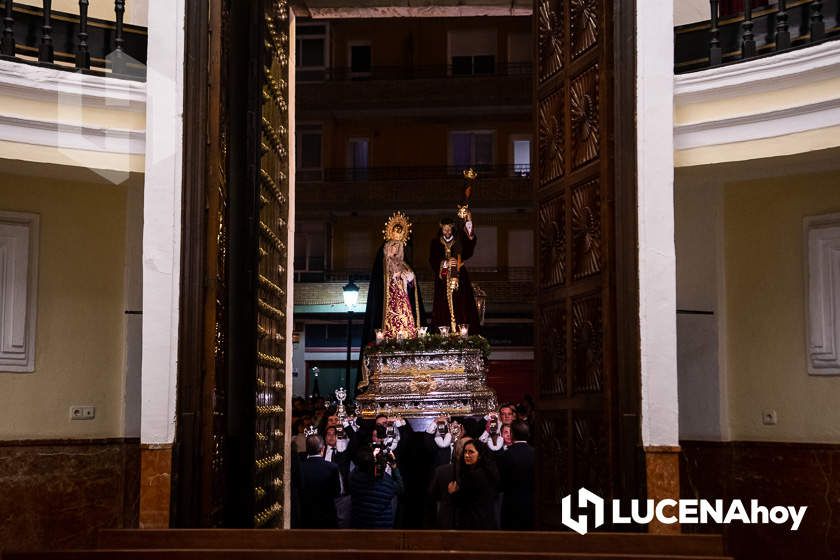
[75, 42]
[754, 32]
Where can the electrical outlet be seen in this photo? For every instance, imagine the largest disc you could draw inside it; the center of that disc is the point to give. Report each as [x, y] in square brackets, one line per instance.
[82, 412]
[769, 418]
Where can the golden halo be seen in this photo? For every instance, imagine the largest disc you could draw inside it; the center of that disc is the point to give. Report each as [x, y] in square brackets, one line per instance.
[397, 228]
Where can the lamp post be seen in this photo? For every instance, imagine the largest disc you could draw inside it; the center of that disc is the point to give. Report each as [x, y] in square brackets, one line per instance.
[351, 296]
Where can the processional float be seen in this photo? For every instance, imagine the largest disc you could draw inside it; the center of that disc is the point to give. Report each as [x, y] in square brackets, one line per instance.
[432, 373]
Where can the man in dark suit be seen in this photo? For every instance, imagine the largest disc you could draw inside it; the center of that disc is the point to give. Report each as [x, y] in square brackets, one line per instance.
[517, 473]
[337, 452]
[320, 486]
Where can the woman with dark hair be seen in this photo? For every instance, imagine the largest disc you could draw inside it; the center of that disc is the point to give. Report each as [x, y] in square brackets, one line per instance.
[475, 488]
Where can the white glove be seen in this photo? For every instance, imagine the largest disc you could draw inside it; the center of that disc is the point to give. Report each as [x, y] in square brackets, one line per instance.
[444, 441]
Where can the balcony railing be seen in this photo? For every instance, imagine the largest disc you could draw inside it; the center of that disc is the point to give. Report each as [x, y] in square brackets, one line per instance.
[407, 173]
[415, 193]
[74, 42]
[755, 32]
[409, 72]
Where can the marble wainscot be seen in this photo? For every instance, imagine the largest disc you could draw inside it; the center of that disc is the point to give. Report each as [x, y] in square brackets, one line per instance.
[421, 385]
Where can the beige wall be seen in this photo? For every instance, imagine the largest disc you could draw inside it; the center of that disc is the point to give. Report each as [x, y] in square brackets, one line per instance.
[689, 11]
[80, 332]
[765, 298]
[135, 10]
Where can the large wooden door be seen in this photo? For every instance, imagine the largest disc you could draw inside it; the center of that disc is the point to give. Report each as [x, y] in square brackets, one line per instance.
[587, 333]
[229, 452]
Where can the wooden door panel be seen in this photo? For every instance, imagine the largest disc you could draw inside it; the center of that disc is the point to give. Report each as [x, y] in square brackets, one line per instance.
[581, 396]
[232, 346]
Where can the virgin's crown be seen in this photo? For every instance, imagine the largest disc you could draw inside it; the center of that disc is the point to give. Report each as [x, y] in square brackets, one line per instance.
[397, 228]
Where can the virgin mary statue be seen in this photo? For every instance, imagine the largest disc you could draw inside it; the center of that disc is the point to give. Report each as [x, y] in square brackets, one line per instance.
[393, 303]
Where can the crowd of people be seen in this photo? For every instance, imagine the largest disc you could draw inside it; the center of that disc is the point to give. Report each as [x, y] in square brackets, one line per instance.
[459, 473]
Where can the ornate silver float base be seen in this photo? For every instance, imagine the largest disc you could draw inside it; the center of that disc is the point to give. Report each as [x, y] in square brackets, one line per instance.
[427, 384]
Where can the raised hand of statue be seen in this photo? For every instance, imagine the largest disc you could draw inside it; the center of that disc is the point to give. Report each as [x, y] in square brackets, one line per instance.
[469, 227]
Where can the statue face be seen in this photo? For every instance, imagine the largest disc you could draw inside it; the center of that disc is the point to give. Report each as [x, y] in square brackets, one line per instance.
[394, 249]
[447, 230]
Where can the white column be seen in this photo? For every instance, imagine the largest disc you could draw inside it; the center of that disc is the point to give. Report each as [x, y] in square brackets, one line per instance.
[162, 220]
[657, 261]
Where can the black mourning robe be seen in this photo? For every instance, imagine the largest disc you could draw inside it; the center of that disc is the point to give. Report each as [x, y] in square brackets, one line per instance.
[463, 299]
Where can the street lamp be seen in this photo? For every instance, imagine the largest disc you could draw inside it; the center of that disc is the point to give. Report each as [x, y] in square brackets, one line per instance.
[351, 296]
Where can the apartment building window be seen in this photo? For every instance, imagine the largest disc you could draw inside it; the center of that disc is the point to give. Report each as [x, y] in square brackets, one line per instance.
[521, 155]
[360, 59]
[487, 250]
[472, 52]
[310, 250]
[520, 249]
[519, 53]
[311, 54]
[308, 152]
[471, 148]
[357, 157]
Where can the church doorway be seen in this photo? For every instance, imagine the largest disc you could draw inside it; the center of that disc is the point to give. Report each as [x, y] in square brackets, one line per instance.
[237, 362]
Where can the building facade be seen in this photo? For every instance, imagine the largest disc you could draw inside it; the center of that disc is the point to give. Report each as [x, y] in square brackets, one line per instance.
[462, 87]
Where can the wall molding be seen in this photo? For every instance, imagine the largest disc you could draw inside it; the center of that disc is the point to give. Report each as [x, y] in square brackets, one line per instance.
[49, 84]
[771, 73]
[72, 136]
[19, 243]
[738, 81]
[822, 239]
[758, 126]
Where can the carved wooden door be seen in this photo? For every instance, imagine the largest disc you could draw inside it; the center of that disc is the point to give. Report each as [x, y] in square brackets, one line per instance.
[587, 386]
[229, 453]
[268, 217]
